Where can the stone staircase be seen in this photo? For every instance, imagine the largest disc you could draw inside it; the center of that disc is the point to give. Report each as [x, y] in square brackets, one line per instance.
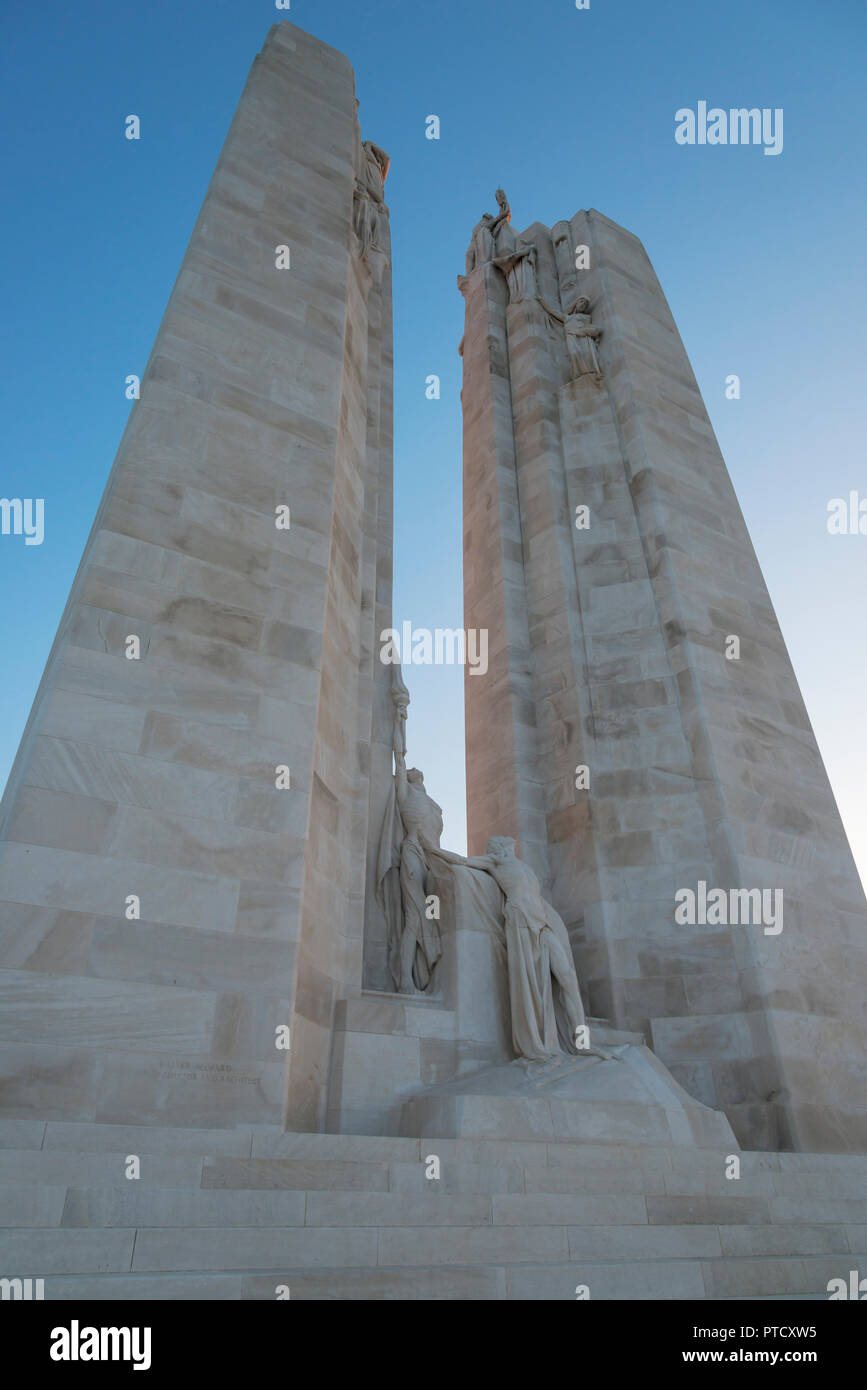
[234, 1214]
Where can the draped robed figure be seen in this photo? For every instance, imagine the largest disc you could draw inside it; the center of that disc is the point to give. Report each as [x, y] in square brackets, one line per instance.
[414, 944]
[544, 997]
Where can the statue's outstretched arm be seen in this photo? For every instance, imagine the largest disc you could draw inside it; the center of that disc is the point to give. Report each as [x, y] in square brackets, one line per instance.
[448, 855]
[478, 862]
[554, 313]
[398, 744]
[400, 777]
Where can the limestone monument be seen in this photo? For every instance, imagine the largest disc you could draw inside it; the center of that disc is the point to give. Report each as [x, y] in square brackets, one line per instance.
[351, 1061]
[606, 554]
[178, 828]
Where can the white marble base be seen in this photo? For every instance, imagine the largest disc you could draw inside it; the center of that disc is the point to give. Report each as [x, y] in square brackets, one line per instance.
[630, 1099]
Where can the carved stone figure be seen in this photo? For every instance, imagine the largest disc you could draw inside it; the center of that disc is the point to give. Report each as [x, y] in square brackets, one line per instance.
[481, 247]
[494, 240]
[580, 339]
[515, 258]
[370, 215]
[413, 819]
[519, 268]
[545, 1000]
[501, 227]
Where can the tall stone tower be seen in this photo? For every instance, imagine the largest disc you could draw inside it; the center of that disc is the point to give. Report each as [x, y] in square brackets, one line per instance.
[184, 835]
[616, 735]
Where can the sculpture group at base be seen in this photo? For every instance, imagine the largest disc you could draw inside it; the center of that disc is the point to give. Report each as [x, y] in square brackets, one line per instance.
[545, 999]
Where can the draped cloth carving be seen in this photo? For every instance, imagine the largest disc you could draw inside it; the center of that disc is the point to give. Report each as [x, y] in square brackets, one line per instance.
[369, 212]
[494, 242]
[544, 998]
[414, 945]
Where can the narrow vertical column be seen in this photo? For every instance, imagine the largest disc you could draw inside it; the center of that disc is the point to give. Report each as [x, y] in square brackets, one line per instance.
[504, 791]
[701, 770]
[787, 1066]
[183, 836]
[354, 745]
[375, 746]
[548, 581]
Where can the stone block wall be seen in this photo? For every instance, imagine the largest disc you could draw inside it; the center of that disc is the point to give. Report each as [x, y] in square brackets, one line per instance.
[608, 651]
[156, 777]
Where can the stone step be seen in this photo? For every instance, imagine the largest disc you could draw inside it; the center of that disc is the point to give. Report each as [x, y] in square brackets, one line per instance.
[83, 1196]
[747, 1242]
[64, 1167]
[821, 1163]
[780, 1278]
[363, 1283]
[796, 1209]
[107, 1208]
[671, 1280]
[35, 1254]
[461, 1175]
[327, 1174]
[280, 1249]
[146, 1139]
[803, 1185]
[130, 1205]
[466, 1262]
[21, 1134]
[31, 1206]
[667, 1280]
[364, 1148]
[640, 1279]
[295, 1193]
[602, 1158]
[617, 1243]
[67, 1168]
[332, 1174]
[229, 1215]
[84, 1137]
[197, 1249]
[91, 1137]
[104, 1208]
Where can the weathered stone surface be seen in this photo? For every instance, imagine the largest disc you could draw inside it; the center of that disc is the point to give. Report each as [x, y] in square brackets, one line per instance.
[155, 777]
[149, 1038]
[337, 1220]
[607, 646]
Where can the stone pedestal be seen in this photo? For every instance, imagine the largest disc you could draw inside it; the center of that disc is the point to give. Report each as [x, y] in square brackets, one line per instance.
[386, 1047]
[629, 1099]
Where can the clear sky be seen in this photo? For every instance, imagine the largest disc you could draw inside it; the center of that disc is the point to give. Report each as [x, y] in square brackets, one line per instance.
[761, 258]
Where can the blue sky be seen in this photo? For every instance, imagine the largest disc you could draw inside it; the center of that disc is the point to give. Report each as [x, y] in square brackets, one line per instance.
[762, 260]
